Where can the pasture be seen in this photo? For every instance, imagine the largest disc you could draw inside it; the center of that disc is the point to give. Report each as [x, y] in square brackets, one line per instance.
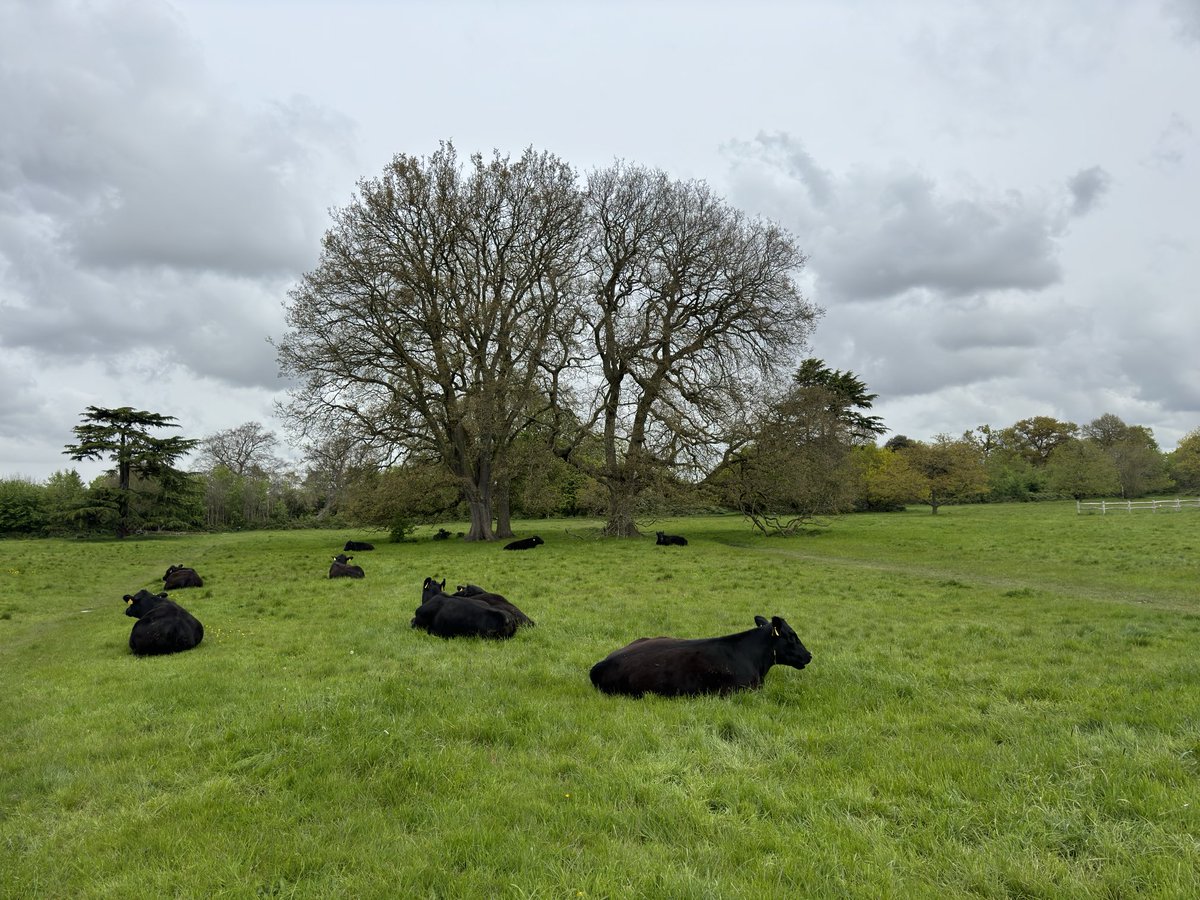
[1004, 701]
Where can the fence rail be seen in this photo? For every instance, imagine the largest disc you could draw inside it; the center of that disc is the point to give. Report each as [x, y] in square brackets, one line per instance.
[1106, 506]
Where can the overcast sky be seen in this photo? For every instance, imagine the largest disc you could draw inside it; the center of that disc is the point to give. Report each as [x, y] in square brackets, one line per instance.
[1000, 202]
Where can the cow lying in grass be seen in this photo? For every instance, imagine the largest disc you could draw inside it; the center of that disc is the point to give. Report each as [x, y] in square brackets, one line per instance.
[450, 615]
[669, 540]
[181, 577]
[524, 544]
[162, 626]
[352, 546]
[477, 593]
[676, 667]
[341, 568]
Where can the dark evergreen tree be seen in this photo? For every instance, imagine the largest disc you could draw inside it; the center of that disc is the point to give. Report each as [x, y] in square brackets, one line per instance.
[123, 436]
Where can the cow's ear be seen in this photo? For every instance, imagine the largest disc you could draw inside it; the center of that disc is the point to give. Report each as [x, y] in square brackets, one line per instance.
[761, 622]
[443, 584]
[777, 625]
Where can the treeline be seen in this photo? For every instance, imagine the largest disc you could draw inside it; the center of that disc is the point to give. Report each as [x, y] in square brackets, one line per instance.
[240, 483]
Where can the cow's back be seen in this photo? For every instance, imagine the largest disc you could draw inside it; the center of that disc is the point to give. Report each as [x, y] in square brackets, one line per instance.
[674, 667]
[168, 628]
[448, 616]
[496, 601]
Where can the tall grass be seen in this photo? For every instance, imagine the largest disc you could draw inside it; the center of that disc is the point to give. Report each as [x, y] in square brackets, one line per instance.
[1003, 702]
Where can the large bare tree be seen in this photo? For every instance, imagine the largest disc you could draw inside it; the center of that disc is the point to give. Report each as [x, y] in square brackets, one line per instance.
[692, 307]
[441, 300]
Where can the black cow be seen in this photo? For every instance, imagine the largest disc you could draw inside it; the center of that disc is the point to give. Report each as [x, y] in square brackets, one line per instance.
[525, 543]
[442, 535]
[162, 626]
[181, 577]
[341, 568]
[358, 545]
[663, 539]
[676, 667]
[478, 593]
[447, 615]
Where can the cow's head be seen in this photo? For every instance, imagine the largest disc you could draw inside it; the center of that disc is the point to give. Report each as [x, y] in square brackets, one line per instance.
[341, 559]
[432, 588]
[785, 644]
[137, 605]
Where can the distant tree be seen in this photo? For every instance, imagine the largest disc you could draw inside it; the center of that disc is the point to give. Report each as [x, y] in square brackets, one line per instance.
[123, 436]
[983, 437]
[415, 492]
[248, 449]
[951, 471]
[1011, 474]
[1081, 468]
[691, 306]
[795, 463]
[22, 506]
[242, 471]
[1184, 462]
[1140, 466]
[887, 480]
[1035, 438]
[1106, 431]
[334, 463]
[796, 468]
[66, 497]
[845, 397]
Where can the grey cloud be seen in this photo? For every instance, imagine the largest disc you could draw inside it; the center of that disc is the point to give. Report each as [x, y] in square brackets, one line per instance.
[113, 130]
[138, 206]
[1186, 15]
[1087, 186]
[1176, 138]
[791, 157]
[881, 233]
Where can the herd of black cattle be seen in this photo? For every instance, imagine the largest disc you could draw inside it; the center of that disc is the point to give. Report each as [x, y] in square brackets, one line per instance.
[660, 665]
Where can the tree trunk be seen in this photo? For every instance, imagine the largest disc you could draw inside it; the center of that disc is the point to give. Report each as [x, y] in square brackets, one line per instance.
[622, 500]
[481, 520]
[503, 514]
[123, 478]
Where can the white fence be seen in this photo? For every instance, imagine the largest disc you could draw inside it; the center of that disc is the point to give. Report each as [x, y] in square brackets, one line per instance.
[1107, 506]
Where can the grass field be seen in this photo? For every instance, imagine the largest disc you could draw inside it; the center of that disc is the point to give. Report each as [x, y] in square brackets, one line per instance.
[1004, 701]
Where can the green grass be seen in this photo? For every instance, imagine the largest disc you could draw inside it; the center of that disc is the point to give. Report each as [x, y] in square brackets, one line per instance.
[1004, 701]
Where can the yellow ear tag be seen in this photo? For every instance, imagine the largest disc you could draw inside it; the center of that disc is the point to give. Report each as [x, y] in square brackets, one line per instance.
[774, 631]
[129, 603]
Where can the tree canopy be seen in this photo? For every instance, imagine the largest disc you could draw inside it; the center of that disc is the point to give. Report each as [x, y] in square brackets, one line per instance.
[123, 436]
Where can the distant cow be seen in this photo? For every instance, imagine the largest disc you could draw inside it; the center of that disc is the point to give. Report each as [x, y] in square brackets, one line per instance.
[442, 535]
[669, 540]
[525, 543]
[478, 593]
[341, 568]
[358, 545]
[447, 615]
[162, 626]
[674, 667]
[181, 577]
